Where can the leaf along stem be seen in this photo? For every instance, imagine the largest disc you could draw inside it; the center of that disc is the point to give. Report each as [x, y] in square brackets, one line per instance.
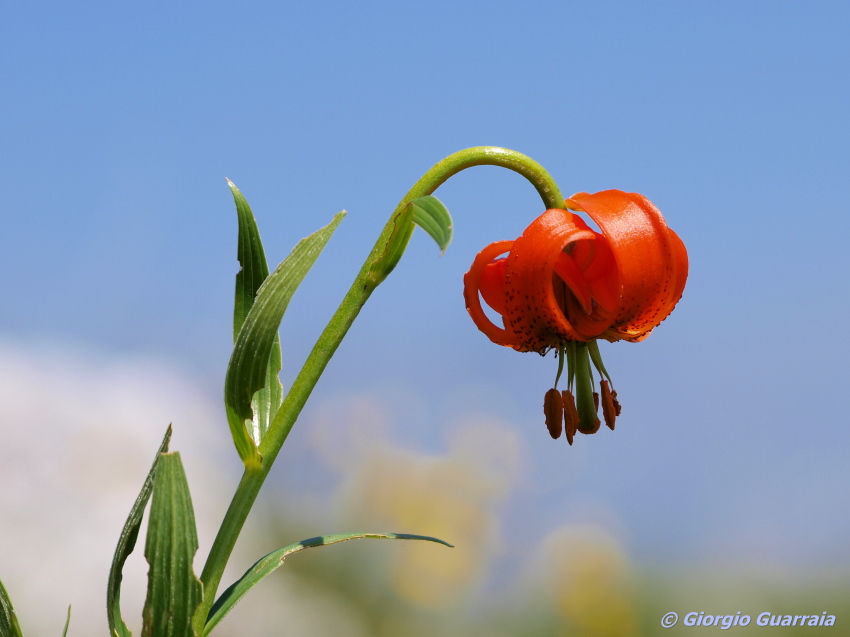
[380, 262]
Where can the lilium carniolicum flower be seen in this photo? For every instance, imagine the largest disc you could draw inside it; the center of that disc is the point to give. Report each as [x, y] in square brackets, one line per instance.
[563, 285]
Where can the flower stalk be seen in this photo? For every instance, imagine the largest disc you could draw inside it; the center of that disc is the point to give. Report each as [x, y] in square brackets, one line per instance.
[381, 261]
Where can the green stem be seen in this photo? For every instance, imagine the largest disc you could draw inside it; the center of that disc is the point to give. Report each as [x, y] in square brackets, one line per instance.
[378, 265]
[588, 421]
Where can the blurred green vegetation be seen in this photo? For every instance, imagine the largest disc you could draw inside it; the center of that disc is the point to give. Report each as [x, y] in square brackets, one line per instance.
[579, 582]
[579, 588]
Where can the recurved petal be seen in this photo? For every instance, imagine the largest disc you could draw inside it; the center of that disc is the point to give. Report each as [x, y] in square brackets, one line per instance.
[680, 256]
[533, 313]
[573, 277]
[650, 258]
[471, 287]
[492, 285]
[596, 294]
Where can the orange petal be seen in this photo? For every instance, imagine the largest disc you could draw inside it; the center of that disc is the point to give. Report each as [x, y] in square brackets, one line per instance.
[566, 268]
[471, 283]
[600, 282]
[602, 275]
[533, 312]
[680, 257]
[492, 285]
[651, 260]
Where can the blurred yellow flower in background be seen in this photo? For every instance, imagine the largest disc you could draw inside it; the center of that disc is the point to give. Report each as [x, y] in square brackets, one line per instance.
[455, 497]
[591, 582]
[440, 498]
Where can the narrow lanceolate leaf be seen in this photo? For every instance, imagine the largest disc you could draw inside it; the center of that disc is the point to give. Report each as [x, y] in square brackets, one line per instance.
[268, 564]
[253, 272]
[67, 622]
[173, 590]
[8, 620]
[252, 259]
[433, 217]
[126, 543]
[247, 372]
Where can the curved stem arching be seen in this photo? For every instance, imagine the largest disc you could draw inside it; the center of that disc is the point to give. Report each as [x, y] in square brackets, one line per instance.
[392, 239]
[489, 156]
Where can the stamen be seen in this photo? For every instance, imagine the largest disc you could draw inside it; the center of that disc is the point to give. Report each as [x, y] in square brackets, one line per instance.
[596, 357]
[571, 418]
[553, 409]
[560, 365]
[571, 364]
[609, 405]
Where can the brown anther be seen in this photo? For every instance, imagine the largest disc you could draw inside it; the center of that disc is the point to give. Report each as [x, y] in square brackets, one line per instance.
[617, 407]
[553, 408]
[596, 401]
[609, 407]
[570, 415]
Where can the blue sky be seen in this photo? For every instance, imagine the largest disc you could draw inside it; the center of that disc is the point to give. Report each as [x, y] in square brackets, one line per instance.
[120, 122]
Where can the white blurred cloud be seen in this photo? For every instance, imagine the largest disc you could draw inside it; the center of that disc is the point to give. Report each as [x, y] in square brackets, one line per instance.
[78, 432]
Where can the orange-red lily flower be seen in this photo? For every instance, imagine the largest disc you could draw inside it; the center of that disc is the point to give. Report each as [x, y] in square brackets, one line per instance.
[563, 285]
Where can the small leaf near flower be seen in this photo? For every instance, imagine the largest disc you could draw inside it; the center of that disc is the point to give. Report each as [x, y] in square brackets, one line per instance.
[430, 214]
[427, 212]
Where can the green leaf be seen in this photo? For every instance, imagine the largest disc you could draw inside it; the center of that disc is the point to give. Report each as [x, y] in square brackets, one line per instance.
[126, 543]
[270, 563]
[67, 622]
[427, 212]
[247, 372]
[8, 620]
[173, 590]
[254, 270]
[433, 217]
[252, 259]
